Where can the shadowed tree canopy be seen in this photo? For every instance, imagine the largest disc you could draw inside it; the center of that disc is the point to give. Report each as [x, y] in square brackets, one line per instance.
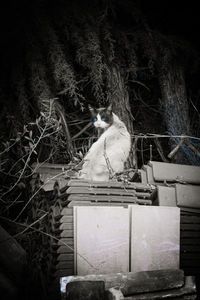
[75, 53]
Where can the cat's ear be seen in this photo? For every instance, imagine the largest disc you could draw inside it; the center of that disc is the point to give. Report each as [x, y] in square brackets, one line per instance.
[109, 108]
[91, 109]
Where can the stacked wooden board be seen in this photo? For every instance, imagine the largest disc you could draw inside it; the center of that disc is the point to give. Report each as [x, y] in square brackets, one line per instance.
[179, 185]
[63, 240]
[82, 193]
[79, 192]
[65, 194]
[175, 185]
[158, 172]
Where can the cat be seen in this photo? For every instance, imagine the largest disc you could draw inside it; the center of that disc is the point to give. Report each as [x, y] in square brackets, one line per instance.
[107, 155]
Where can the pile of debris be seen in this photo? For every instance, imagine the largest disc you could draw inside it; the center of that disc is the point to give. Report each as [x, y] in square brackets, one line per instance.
[161, 284]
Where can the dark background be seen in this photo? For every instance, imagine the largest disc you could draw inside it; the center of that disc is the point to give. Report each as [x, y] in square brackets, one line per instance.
[22, 84]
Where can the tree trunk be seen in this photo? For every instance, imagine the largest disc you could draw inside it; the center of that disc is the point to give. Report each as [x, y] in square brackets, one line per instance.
[175, 108]
[119, 97]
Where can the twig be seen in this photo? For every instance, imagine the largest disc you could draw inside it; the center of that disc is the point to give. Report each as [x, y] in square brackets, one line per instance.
[150, 153]
[174, 151]
[194, 107]
[21, 224]
[82, 130]
[21, 158]
[7, 149]
[44, 233]
[110, 169]
[140, 83]
[25, 165]
[29, 156]
[192, 148]
[160, 150]
[36, 194]
[142, 150]
[12, 203]
[65, 129]
[154, 135]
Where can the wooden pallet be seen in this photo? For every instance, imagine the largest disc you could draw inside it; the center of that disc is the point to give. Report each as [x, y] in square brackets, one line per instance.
[81, 193]
[65, 244]
[109, 193]
[154, 176]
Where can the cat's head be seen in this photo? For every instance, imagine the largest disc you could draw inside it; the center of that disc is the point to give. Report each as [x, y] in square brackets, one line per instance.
[102, 117]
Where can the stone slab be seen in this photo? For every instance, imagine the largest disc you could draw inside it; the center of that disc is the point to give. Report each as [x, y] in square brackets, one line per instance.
[188, 195]
[101, 239]
[157, 280]
[85, 290]
[131, 282]
[155, 238]
[175, 172]
[166, 196]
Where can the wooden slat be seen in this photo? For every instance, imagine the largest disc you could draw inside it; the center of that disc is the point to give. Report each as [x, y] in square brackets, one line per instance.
[68, 211]
[101, 198]
[193, 227]
[66, 226]
[64, 211]
[67, 233]
[107, 191]
[68, 241]
[79, 203]
[189, 255]
[175, 172]
[188, 195]
[110, 184]
[64, 257]
[190, 248]
[65, 249]
[66, 219]
[46, 166]
[89, 203]
[189, 211]
[64, 272]
[190, 241]
[190, 234]
[99, 191]
[49, 182]
[190, 219]
[65, 265]
[105, 198]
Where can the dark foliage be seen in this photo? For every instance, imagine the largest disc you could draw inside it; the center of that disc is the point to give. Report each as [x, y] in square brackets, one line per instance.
[58, 57]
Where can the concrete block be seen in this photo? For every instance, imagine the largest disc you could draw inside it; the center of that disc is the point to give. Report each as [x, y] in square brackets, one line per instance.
[188, 195]
[166, 196]
[155, 238]
[85, 290]
[175, 172]
[101, 240]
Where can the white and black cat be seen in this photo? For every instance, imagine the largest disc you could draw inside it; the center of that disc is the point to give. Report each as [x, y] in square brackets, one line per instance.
[109, 153]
